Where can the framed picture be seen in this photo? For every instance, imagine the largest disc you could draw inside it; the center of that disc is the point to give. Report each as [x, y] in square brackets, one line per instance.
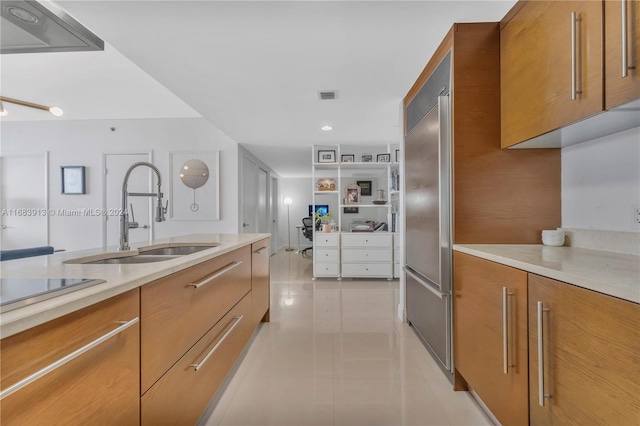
[348, 158]
[397, 155]
[350, 210]
[195, 185]
[73, 180]
[365, 187]
[326, 156]
[326, 184]
[352, 194]
[384, 158]
[367, 158]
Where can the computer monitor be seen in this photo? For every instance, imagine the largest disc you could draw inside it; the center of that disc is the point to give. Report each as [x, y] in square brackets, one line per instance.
[322, 208]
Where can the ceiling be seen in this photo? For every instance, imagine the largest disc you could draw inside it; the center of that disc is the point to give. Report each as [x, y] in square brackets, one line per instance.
[253, 69]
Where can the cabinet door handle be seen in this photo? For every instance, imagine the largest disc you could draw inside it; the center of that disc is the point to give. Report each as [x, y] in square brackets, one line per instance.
[624, 37]
[62, 361]
[541, 394]
[217, 274]
[574, 66]
[199, 365]
[260, 250]
[505, 329]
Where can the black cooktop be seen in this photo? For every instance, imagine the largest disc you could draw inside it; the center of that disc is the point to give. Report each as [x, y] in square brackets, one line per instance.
[18, 292]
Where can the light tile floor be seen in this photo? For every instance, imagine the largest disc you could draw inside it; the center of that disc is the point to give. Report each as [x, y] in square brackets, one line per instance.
[335, 353]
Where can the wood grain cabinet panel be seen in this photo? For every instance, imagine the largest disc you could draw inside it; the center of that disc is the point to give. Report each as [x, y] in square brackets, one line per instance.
[487, 298]
[591, 356]
[99, 387]
[619, 88]
[260, 299]
[536, 67]
[174, 314]
[182, 394]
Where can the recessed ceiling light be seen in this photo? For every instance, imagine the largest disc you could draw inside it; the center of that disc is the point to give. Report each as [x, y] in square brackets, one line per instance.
[23, 15]
[326, 128]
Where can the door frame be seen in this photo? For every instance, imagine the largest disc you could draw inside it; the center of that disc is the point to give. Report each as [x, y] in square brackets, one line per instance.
[44, 155]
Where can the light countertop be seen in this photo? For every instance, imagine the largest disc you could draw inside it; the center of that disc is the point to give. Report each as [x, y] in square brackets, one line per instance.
[610, 273]
[118, 278]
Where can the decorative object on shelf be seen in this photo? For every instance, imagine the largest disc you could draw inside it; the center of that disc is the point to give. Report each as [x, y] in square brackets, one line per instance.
[191, 171]
[383, 158]
[365, 187]
[352, 194]
[381, 200]
[351, 210]
[326, 156]
[367, 158]
[326, 184]
[73, 182]
[395, 181]
[397, 155]
[361, 226]
[324, 219]
[347, 158]
[287, 202]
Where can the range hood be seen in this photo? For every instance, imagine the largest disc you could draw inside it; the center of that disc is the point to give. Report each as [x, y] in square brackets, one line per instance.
[29, 26]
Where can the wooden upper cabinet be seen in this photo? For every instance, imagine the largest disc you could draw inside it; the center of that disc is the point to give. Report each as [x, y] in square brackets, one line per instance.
[620, 86]
[541, 63]
[590, 363]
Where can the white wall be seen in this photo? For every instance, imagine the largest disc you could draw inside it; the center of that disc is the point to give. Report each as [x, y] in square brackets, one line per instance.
[82, 143]
[601, 183]
[299, 190]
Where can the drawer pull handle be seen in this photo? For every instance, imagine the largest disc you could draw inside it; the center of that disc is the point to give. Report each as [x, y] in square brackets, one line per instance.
[198, 366]
[62, 361]
[541, 395]
[218, 274]
[260, 250]
[505, 330]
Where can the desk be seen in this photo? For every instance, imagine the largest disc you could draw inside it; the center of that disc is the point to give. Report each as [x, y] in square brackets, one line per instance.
[299, 228]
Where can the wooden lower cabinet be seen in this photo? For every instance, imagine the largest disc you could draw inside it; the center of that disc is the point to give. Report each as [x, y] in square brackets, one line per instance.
[182, 394]
[174, 314]
[487, 298]
[260, 255]
[591, 356]
[99, 387]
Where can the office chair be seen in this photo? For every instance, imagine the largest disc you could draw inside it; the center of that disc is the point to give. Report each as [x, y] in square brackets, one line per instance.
[307, 231]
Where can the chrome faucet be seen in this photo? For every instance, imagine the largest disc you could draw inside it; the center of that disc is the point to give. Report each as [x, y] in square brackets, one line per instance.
[125, 225]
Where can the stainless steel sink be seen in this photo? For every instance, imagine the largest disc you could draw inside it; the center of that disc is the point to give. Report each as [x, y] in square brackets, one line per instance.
[140, 258]
[175, 250]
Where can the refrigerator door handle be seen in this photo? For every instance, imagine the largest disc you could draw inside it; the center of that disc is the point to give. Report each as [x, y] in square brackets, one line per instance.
[420, 280]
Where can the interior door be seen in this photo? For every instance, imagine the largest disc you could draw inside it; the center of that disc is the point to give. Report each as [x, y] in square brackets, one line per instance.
[140, 180]
[249, 196]
[24, 201]
[273, 200]
[263, 205]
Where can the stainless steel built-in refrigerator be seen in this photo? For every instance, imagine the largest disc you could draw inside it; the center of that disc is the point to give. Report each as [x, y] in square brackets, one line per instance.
[428, 215]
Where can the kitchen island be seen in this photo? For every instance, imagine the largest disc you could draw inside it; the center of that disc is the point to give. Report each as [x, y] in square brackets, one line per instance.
[150, 344]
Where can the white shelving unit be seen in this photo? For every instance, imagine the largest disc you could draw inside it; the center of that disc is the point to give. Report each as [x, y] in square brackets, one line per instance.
[356, 255]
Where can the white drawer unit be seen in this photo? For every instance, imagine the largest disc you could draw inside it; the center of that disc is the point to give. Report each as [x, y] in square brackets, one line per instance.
[367, 239]
[350, 255]
[326, 269]
[322, 239]
[326, 255]
[367, 255]
[373, 270]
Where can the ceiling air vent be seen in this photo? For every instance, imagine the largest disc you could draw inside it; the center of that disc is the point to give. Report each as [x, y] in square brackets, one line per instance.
[327, 95]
